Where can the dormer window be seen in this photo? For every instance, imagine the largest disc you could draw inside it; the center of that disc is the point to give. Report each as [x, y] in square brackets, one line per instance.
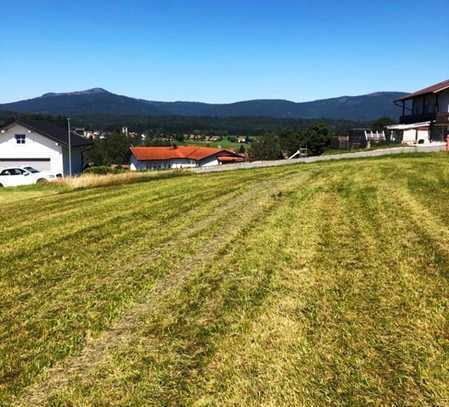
[20, 138]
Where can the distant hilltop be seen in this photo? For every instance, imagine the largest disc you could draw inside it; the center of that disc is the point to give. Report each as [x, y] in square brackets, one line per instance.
[92, 91]
[100, 101]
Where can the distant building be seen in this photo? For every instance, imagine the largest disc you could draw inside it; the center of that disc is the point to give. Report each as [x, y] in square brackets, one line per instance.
[425, 115]
[143, 158]
[41, 145]
[359, 138]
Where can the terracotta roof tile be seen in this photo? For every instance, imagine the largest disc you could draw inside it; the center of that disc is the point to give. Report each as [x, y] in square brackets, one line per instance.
[231, 159]
[169, 153]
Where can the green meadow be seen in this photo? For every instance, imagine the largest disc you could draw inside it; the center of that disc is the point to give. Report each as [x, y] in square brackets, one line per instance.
[309, 285]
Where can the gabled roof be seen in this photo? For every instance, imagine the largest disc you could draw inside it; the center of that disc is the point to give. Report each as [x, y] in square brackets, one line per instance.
[422, 125]
[52, 131]
[438, 87]
[231, 159]
[170, 153]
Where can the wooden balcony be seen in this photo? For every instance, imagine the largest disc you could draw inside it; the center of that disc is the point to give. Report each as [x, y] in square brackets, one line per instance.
[442, 118]
[425, 117]
[418, 118]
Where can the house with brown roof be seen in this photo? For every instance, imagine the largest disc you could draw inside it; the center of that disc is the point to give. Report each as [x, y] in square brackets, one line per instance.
[425, 115]
[150, 158]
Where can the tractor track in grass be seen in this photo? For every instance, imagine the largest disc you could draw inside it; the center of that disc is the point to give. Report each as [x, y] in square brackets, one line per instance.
[308, 286]
[424, 219]
[205, 284]
[246, 208]
[193, 223]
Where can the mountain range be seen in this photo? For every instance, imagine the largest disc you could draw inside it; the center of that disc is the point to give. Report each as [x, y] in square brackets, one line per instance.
[100, 101]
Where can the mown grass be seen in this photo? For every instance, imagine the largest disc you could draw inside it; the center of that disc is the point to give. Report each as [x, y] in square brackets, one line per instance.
[308, 285]
[12, 194]
[84, 181]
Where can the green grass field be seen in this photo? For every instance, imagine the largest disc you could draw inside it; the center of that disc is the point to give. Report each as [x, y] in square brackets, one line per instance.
[224, 143]
[321, 284]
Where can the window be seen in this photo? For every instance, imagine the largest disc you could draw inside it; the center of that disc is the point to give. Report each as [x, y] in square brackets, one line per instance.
[13, 171]
[31, 169]
[20, 138]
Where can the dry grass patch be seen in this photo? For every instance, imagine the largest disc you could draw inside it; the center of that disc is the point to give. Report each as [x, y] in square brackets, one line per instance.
[98, 180]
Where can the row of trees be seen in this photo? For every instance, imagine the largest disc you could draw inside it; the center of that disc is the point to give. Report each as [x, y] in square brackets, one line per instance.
[273, 146]
[114, 149]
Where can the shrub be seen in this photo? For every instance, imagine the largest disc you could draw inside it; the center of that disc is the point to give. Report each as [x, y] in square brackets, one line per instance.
[103, 170]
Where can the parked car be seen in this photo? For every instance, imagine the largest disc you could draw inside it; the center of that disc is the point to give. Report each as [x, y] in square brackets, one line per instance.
[42, 175]
[15, 176]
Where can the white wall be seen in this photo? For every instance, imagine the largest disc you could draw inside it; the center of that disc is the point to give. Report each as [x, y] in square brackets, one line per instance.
[36, 146]
[137, 165]
[209, 161]
[412, 136]
[182, 163]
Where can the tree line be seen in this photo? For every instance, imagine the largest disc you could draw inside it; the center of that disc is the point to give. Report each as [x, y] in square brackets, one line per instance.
[114, 149]
[270, 138]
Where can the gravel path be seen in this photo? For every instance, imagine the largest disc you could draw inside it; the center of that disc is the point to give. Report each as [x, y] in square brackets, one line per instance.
[360, 154]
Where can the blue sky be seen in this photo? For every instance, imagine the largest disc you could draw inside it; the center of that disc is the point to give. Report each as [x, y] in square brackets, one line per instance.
[222, 51]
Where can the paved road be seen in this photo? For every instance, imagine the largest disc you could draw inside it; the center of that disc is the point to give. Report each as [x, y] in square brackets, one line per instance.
[360, 154]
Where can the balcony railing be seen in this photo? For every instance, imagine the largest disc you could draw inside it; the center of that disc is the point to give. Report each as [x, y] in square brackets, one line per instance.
[418, 118]
[425, 117]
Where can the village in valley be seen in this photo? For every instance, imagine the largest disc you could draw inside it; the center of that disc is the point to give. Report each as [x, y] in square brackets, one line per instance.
[45, 146]
[224, 204]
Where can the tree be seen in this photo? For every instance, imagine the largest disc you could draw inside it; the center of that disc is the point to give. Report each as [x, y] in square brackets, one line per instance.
[265, 147]
[316, 138]
[110, 150]
[381, 123]
[179, 137]
[291, 142]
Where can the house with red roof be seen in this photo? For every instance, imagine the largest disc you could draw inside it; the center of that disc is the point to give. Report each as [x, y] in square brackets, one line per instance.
[425, 115]
[151, 158]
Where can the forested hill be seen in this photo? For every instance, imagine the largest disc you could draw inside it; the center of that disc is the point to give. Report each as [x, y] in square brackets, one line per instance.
[100, 101]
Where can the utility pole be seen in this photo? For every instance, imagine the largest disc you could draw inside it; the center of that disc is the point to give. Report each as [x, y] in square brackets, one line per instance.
[70, 145]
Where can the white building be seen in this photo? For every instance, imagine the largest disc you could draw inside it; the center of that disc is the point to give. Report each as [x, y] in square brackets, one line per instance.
[144, 158]
[425, 115]
[41, 145]
[415, 133]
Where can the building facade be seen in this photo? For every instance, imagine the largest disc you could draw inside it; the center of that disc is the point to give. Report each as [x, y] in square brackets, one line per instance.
[173, 157]
[425, 115]
[41, 145]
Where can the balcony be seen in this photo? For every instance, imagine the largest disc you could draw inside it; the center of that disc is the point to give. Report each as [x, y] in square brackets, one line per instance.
[418, 118]
[442, 118]
[425, 117]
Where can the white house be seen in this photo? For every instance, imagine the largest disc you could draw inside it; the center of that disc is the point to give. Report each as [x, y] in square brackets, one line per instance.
[143, 158]
[41, 145]
[425, 115]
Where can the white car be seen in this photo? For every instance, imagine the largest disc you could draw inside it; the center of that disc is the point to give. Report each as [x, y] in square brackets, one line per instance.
[15, 176]
[42, 175]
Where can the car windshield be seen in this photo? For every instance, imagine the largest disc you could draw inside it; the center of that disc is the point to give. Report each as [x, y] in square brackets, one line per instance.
[31, 169]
